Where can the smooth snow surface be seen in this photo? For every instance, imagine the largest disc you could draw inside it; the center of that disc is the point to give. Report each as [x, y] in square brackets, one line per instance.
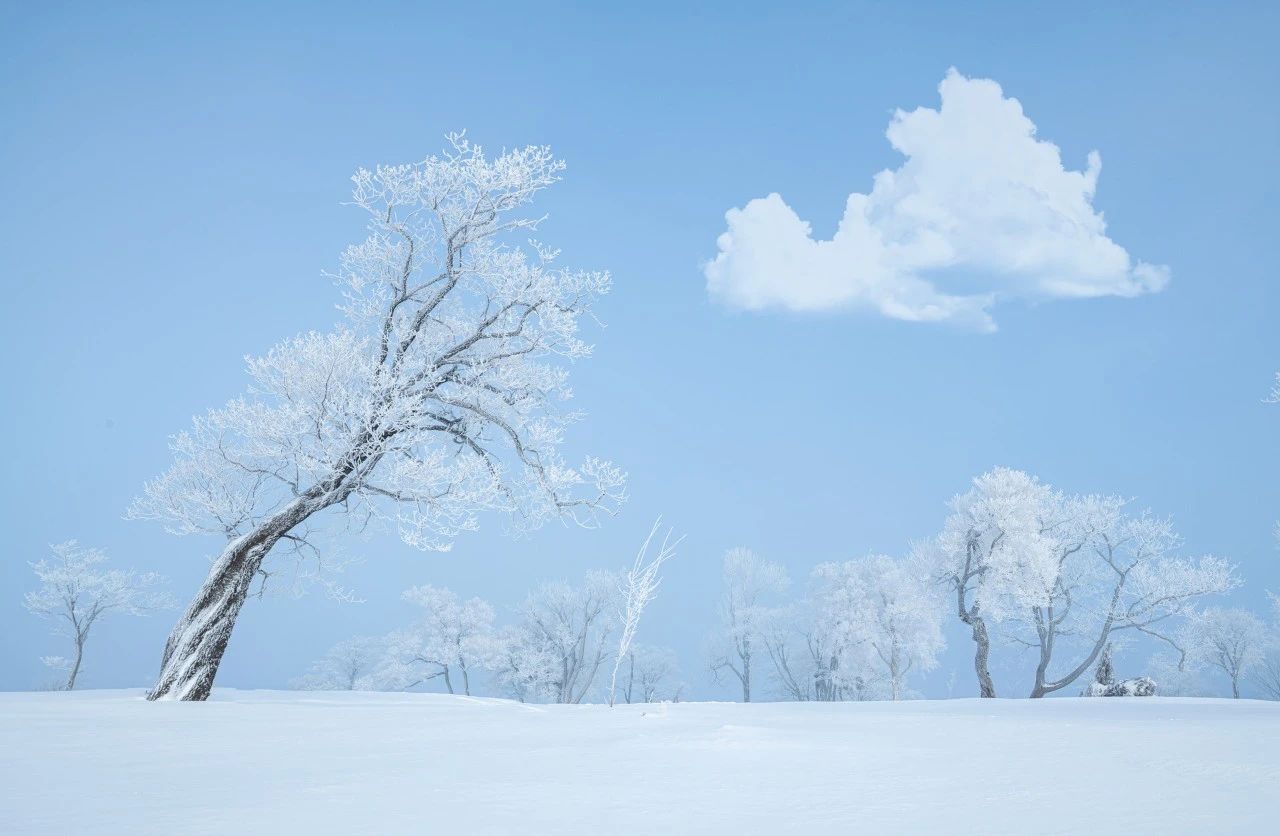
[307, 763]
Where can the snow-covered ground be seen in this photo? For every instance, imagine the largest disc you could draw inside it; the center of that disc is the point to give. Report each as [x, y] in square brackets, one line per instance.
[284, 762]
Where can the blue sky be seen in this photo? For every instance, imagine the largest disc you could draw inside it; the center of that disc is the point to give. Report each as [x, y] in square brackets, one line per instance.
[174, 187]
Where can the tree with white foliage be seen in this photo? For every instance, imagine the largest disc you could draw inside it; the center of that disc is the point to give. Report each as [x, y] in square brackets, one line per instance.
[448, 641]
[1231, 640]
[749, 584]
[1065, 571]
[433, 401]
[638, 587]
[1114, 572]
[885, 610]
[562, 639]
[77, 591]
[993, 554]
[349, 665]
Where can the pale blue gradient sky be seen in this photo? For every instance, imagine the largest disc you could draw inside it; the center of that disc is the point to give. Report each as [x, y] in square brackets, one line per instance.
[173, 190]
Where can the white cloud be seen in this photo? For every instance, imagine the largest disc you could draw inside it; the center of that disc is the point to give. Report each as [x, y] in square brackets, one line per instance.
[980, 211]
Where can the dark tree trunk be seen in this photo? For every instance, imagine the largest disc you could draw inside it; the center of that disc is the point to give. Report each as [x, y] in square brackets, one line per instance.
[982, 651]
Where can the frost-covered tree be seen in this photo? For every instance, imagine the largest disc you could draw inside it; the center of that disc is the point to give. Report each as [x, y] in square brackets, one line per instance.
[887, 612]
[993, 555]
[350, 665]
[649, 674]
[638, 586]
[1267, 672]
[1230, 640]
[435, 399]
[448, 642]
[1064, 573]
[1114, 573]
[562, 639]
[749, 583]
[77, 591]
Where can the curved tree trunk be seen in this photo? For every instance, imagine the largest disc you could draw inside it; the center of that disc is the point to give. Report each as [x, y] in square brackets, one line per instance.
[982, 651]
[195, 647]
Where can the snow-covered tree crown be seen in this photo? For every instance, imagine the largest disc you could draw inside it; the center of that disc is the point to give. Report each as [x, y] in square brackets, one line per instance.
[437, 397]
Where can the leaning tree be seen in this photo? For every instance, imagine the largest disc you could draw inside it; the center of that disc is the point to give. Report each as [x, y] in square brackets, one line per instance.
[438, 396]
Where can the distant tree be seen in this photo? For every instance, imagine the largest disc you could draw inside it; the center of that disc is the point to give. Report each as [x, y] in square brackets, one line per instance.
[435, 400]
[449, 639]
[649, 674]
[1267, 672]
[76, 591]
[349, 665]
[888, 610]
[638, 587]
[749, 582]
[1231, 640]
[562, 639]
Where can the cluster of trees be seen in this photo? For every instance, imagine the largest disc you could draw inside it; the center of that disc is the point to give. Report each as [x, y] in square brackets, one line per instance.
[1015, 562]
[564, 639]
[438, 399]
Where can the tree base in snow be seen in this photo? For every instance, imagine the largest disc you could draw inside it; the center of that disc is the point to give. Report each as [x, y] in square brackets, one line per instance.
[1142, 686]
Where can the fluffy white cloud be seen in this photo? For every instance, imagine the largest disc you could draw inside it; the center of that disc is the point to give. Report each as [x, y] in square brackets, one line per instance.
[980, 211]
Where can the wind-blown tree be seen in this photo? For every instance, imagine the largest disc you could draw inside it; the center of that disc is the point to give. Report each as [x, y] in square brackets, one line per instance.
[749, 583]
[77, 591]
[992, 554]
[449, 640]
[562, 639]
[349, 665]
[1231, 640]
[434, 400]
[638, 587]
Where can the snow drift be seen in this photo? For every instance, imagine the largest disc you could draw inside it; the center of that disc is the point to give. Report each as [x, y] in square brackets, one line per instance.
[284, 763]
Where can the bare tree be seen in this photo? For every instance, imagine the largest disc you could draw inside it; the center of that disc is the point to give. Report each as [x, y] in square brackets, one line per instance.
[450, 639]
[648, 675]
[556, 650]
[432, 402]
[77, 591]
[1231, 640]
[749, 581]
[349, 665]
[638, 587]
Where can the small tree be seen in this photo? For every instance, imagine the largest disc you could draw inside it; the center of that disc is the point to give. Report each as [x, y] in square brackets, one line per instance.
[435, 400]
[349, 665]
[649, 675]
[1231, 640]
[749, 581]
[77, 591]
[449, 639]
[638, 587]
[556, 650]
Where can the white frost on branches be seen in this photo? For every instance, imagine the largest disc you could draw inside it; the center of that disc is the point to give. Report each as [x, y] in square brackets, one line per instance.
[438, 398]
[76, 590]
[637, 588]
[746, 613]
[450, 640]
